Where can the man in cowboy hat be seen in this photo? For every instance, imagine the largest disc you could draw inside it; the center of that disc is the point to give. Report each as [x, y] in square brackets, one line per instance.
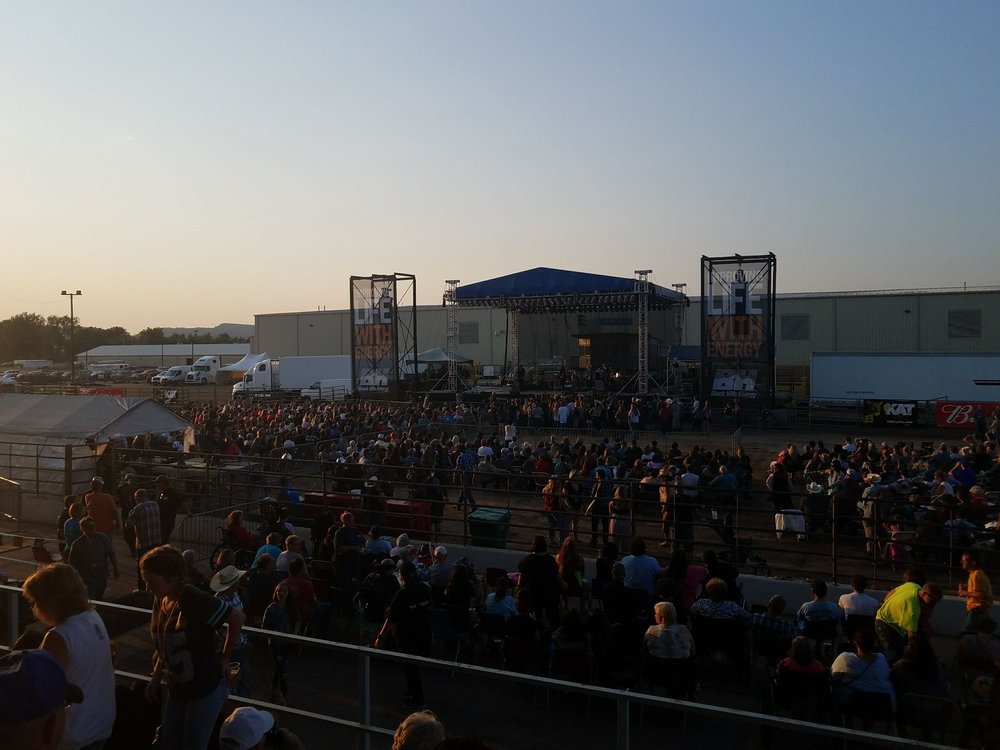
[816, 508]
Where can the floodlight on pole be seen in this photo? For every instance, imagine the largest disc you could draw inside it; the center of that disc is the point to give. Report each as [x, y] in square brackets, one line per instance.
[72, 327]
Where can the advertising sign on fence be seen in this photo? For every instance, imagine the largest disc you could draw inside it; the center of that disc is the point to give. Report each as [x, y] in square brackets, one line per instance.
[883, 413]
[961, 415]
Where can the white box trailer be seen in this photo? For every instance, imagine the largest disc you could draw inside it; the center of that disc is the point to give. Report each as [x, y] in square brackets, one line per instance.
[904, 376]
[291, 374]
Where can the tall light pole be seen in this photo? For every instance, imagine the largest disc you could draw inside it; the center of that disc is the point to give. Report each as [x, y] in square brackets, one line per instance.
[72, 326]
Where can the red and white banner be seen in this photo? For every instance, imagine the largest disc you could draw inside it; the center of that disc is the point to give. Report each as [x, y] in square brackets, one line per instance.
[959, 414]
[99, 390]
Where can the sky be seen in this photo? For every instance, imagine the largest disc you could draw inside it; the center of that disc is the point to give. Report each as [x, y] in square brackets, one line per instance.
[190, 163]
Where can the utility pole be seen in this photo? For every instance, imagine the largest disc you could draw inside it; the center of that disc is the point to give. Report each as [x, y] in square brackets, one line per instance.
[72, 327]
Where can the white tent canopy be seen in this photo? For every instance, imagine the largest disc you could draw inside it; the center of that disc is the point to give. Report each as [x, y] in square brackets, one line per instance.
[437, 355]
[79, 419]
[246, 363]
[43, 437]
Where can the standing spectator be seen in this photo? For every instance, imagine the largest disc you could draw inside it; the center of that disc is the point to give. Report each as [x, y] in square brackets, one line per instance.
[169, 502]
[101, 506]
[977, 591]
[71, 528]
[90, 555]
[778, 487]
[278, 617]
[303, 596]
[348, 544]
[61, 522]
[572, 502]
[466, 466]
[540, 578]
[898, 619]
[620, 512]
[409, 619]
[34, 694]
[144, 521]
[126, 501]
[80, 643]
[598, 508]
[184, 627]
[572, 568]
[552, 505]
[224, 585]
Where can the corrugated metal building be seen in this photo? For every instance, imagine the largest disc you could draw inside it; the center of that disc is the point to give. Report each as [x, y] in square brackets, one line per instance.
[893, 321]
[162, 355]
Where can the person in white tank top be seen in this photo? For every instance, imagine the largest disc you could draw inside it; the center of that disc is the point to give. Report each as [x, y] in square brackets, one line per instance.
[80, 642]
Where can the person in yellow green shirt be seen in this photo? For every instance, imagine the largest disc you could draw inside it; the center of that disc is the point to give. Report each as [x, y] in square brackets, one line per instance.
[977, 591]
[898, 619]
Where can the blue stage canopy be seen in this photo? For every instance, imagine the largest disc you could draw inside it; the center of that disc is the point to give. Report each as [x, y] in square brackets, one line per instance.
[542, 288]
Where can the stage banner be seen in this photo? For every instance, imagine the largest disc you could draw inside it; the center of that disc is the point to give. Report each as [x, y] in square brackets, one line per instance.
[383, 331]
[962, 415]
[373, 340]
[889, 413]
[737, 329]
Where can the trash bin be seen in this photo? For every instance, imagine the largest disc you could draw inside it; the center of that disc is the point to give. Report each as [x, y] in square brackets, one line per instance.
[488, 527]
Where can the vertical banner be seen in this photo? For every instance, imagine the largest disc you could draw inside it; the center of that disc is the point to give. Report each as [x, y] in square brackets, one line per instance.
[383, 336]
[737, 329]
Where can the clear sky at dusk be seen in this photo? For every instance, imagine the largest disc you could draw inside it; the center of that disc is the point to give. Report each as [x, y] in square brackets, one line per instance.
[189, 163]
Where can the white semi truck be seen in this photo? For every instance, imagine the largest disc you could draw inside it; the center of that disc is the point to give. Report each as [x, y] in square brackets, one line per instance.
[286, 377]
[203, 370]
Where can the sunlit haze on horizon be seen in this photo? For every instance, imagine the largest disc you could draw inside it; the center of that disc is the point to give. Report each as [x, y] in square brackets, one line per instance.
[187, 164]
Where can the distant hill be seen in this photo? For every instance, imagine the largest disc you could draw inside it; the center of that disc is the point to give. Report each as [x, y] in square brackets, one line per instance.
[236, 330]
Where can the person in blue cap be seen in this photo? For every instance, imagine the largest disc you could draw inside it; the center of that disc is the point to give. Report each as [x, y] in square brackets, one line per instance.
[33, 698]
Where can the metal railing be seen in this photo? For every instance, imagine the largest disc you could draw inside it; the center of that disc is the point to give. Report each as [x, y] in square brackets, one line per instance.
[623, 700]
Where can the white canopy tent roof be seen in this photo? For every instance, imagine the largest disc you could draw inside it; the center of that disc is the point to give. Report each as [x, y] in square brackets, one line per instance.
[437, 355]
[83, 419]
[44, 437]
[246, 363]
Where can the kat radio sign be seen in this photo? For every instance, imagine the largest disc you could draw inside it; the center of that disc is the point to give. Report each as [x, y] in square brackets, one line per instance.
[961, 415]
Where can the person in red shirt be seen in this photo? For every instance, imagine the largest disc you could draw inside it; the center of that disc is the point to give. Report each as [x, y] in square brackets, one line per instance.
[101, 506]
[303, 595]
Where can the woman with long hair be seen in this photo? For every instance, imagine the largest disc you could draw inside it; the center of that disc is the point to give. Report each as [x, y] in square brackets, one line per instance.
[184, 627]
[620, 526]
[571, 568]
[80, 642]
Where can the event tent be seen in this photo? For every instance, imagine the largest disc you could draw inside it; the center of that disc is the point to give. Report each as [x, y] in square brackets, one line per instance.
[44, 438]
[438, 355]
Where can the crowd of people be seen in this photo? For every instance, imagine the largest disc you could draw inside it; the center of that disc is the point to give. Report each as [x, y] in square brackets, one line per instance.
[916, 503]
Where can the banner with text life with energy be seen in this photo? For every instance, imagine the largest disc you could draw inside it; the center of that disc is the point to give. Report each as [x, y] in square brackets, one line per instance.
[738, 329]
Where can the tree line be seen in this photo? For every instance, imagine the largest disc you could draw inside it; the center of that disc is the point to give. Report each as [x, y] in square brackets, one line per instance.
[31, 336]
